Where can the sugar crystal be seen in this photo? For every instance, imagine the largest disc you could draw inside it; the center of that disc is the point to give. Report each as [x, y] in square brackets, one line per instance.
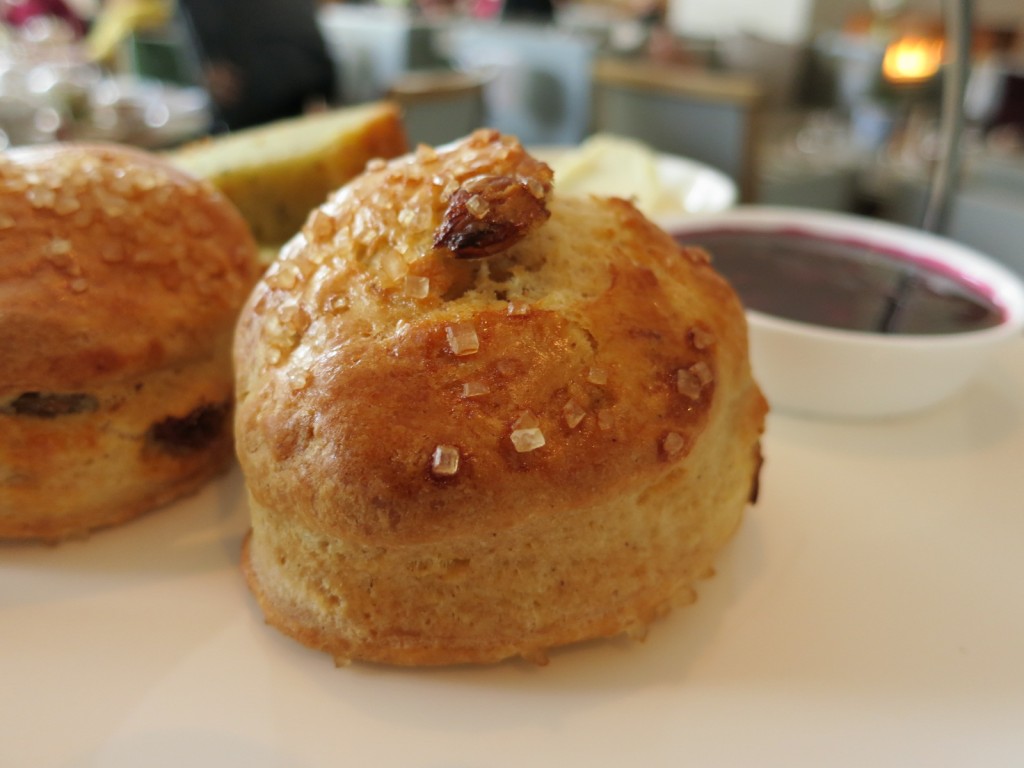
[462, 339]
[445, 461]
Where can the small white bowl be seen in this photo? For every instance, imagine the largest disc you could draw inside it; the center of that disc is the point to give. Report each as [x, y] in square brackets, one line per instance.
[809, 369]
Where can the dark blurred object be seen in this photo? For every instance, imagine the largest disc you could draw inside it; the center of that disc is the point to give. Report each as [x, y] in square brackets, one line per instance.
[1009, 111]
[528, 10]
[262, 59]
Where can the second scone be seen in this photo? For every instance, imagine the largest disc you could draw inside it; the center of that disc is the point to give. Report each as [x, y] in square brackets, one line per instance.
[121, 278]
[479, 420]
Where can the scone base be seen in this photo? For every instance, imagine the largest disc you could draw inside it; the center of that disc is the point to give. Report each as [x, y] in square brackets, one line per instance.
[477, 601]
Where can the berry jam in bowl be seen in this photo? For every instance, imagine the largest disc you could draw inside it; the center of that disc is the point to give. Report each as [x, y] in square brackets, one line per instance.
[853, 317]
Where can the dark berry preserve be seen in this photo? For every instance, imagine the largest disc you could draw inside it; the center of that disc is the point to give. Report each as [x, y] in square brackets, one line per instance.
[843, 283]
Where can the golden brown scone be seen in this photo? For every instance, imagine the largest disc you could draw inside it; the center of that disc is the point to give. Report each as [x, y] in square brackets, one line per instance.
[478, 420]
[278, 172]
[120, 282]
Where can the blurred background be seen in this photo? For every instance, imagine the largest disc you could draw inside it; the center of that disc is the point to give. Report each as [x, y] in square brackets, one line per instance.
[830, 104]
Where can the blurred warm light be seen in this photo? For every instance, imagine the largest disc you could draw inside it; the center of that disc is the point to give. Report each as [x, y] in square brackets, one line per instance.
[912, 59]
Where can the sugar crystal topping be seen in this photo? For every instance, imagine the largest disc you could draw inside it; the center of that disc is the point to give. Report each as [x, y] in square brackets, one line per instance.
[690, 381]
[702, 371]
[573, 413]
[426, 153]
[535, 187]
[526, 433]
[518, 308]
[527, 440]
[298, 380]
[445, 461]
[417, 287]
[60, 246]
[471, 389]
[526, 420]
[477, 206]
[321, 226]
[393, 265]
[673, 444]
[701, 338]
[140, 208]
[462, 339]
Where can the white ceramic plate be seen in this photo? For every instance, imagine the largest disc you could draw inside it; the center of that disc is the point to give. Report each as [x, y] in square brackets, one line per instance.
[869, 612]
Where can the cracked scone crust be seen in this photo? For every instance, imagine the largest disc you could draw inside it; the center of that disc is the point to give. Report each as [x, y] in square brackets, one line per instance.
[479, 420]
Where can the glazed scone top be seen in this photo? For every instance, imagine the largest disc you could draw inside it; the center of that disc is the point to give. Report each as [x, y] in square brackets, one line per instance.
[448, 347]
[111, 262]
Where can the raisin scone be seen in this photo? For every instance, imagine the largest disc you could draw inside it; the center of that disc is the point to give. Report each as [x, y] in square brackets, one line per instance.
[479, 420]
[121, 278]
